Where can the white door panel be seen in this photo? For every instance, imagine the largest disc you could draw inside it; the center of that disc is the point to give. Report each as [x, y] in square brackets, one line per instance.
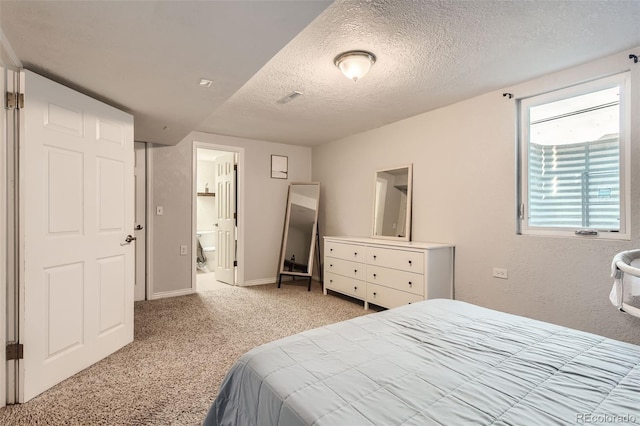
[77, 185]
[226, 231]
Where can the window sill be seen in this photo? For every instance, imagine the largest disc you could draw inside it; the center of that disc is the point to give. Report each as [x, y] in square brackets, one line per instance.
[607, 236]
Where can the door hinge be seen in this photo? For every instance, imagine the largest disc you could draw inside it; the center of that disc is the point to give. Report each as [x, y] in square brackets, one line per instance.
[235, 167]
[14, 100]
[15, 351]
[235, 263]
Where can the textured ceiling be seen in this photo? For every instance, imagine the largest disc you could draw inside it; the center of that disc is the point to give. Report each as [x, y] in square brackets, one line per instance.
[147, 57]
[429, 54]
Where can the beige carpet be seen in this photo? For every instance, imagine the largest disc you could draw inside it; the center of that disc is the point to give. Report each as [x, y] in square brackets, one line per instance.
[183, 347]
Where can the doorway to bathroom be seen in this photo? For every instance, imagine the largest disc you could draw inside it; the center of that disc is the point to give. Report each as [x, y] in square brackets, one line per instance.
[215, 217]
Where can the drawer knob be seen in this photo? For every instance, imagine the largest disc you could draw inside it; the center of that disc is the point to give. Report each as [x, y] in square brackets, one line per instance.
[355, 253]
[355, 271]
[374, 275]
[374, 257]
[410, 285]
[331, 265]
[330, 249]
[330, 281]
[409, 263]
[374, 294]
[355, 288]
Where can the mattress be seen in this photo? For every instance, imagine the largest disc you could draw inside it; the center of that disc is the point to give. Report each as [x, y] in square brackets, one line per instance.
[438, 362]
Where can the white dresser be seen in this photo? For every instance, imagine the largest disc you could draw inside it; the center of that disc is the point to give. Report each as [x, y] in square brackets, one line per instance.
[388, 273]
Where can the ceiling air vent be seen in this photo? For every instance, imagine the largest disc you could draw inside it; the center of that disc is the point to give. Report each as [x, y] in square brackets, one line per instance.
[291, 96]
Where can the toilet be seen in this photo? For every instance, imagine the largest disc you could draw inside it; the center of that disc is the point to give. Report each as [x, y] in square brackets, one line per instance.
[207, 241]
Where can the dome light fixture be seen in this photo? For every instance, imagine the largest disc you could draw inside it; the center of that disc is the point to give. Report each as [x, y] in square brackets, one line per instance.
[355, 64]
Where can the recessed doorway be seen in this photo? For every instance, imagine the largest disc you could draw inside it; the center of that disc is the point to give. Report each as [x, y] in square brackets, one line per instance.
[215, 217]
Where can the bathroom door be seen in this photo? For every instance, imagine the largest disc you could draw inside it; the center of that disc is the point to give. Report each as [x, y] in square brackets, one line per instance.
[226, 228]
[76, 210]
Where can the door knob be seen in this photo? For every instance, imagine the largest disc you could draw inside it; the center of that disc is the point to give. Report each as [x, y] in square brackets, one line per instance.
[138, 227]
[128, 240]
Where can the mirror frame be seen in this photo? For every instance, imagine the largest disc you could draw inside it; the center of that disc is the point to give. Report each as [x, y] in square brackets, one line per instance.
[407, 236]
[285, 235]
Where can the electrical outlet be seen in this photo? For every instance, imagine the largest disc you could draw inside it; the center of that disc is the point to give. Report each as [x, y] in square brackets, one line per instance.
[183, 250]
[500, 273]
[159, 210]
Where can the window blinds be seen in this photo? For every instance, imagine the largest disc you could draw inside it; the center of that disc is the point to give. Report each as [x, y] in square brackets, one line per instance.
[575, 185]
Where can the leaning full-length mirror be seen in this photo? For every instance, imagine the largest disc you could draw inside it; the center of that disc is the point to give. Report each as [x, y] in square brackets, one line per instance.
[299, 237]
[392, 203]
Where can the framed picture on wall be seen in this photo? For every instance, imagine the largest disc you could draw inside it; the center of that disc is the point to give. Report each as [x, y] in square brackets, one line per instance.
[279, 167]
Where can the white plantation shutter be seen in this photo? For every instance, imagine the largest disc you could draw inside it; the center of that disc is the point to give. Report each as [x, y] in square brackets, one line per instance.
[576, 185]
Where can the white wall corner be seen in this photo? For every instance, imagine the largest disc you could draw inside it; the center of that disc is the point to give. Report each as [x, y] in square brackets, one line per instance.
[260, 281]
[8, 57]
[172, 293]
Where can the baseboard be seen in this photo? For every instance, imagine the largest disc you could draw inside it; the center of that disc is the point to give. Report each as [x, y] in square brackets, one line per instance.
[260, 281]
[172, 293]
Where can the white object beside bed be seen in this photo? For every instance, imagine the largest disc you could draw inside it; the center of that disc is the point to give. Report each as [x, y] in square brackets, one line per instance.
[623, 263]
[438, 362]
[388, 273]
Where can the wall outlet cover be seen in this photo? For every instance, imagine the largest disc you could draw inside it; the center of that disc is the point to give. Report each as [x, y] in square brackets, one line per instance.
[500, 273]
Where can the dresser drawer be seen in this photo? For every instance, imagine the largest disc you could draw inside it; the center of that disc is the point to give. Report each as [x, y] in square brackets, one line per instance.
[389, 297]
[346, 285]
[399, 280]
[404, 260]
[345, 251]
[345, 267]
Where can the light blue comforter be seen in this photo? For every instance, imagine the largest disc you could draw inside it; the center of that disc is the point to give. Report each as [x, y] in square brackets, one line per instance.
[439, 362]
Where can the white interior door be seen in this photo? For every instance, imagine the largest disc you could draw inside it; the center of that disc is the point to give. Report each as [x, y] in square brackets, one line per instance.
[140, 173]
[77, 208]
[226, 230]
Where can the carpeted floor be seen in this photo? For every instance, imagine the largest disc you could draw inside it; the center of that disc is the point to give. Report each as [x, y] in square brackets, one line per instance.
[183, 347]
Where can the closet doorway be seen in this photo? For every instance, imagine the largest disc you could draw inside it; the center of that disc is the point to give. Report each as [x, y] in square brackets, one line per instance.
[215, 230]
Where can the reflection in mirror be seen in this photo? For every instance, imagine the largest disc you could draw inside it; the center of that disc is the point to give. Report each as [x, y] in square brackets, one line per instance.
[299, 238]
[392, 203]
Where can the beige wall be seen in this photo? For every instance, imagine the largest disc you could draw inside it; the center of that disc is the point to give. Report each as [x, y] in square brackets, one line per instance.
[264, 208]
[464, 158]
[207, 214]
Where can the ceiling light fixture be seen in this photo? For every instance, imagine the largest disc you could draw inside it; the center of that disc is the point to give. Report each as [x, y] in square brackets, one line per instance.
[355, 64]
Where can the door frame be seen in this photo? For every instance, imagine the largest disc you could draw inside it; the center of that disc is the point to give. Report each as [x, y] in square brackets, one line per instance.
[239, 210]
[9, 235]
[149, 292]
[146, 218]
[10, 65]
[3, 237]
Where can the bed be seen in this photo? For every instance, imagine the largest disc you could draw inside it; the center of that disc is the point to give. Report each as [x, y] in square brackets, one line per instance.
[438, 362]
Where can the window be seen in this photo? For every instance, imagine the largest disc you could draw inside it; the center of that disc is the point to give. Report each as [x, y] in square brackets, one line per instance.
[573, 148]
